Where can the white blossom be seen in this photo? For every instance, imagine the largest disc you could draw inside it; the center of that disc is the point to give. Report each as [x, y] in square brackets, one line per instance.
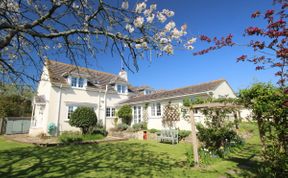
[163, 40]
[138, 46]
[140, 7]
[153, 7]
[161, 17]
[144, 45]
[150, 18]
[129, 28]
[138, 22]
[168, 13]
[75, 6]
[147, 12]
[176, 33]
[168, 49]
[125, 5]
[190, 47]
[169, 26]
[192, 40]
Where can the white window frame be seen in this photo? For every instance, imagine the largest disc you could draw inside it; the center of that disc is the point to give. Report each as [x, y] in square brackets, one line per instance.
[121, 88]
[147, 92]
[79, 81]
[69, 111]
[137, 114]
[156, 110]
[111, 112]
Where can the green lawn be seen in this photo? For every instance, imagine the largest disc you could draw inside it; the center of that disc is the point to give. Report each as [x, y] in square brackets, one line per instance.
[123, 159]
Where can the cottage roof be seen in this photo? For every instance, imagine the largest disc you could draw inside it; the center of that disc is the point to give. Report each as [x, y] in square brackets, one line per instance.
[190, 90]
[58, 73]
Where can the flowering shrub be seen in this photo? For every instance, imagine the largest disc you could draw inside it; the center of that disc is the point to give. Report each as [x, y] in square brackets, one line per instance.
[128, 27]
[218, 140]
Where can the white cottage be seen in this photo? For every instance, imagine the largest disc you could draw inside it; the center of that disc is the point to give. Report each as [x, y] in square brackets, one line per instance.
[64, 87]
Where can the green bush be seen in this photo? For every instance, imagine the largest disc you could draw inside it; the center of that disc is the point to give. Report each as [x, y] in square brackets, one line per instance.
[154, 130]
[218, 140]
[183, 134]
[140, 126]
[125, 113]
[122, 126]
[70, 137]
[98, 130]
[84, 118]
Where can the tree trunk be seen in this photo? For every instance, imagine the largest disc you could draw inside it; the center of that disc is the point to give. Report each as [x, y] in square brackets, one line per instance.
[261, 131]
[194, 137]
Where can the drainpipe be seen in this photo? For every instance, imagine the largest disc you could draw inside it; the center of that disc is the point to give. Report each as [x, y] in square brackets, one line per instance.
[59, 109]
[32, 124]
[98, 108]
[105, 105]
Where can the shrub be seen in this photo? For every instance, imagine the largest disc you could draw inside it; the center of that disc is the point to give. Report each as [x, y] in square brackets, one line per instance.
[98, 130]
[125, 113]
[122, 127]
[183, 134]
[83, 117]
[218, 140]
[154, 130]
[70, 137]
[140, 126]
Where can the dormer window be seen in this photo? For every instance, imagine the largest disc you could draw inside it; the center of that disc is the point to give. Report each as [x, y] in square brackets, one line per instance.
[147, 92]
[121, 88]
[78, 82]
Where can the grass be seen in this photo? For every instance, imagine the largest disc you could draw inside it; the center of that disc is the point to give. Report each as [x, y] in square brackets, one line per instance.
[9, 145]
[131, 158]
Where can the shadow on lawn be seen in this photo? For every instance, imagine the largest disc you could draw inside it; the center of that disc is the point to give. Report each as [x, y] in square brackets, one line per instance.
[120, 160]
[245, 162]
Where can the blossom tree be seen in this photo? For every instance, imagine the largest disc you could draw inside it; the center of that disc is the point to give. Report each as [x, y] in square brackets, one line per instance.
[32, 30]
[269, 42]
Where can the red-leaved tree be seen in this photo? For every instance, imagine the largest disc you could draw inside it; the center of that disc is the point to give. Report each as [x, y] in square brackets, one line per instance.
[271, 43]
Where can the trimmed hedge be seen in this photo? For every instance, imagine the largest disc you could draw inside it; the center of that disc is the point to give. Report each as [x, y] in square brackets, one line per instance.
[84, 118]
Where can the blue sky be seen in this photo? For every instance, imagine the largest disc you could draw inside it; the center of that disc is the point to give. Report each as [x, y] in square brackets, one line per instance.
[210, 17]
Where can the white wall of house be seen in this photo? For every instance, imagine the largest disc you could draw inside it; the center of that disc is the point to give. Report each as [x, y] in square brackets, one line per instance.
[39, 116]
[224, 90]
[71, 96]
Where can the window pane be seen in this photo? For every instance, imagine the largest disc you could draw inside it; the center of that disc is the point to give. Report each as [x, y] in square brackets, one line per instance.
[74, 82]
[139, 113]
[123, 89]
[158, 109]
[70, 110]
[107, 112]
[80, 82]
[153, 110]
[119, 88]
[113, 112]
